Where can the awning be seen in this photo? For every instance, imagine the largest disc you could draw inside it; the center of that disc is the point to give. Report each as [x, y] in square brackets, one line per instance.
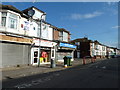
[66, 45]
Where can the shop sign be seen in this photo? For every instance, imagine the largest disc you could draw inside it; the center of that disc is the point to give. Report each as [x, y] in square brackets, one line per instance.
[67, 45]
[44, 43]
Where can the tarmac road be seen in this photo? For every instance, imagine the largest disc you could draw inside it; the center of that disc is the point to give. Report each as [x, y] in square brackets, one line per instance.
[102, 74]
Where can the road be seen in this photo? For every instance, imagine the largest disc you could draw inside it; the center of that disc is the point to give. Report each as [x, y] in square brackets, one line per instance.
[102, 74]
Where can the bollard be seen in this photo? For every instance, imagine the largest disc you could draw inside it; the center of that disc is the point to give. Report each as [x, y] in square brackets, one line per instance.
[84, 61]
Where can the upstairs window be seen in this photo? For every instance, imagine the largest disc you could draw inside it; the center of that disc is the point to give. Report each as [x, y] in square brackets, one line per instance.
[77, 43]
[3, 20]
[103, 48]
[97, 47]
[60, 33]
[61, 36]
[13, 21]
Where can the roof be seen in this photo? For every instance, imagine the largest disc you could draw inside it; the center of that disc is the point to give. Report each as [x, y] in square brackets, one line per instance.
[12, 8]
[26, 10]
[62, 29]
[82, 40]
[54, 27]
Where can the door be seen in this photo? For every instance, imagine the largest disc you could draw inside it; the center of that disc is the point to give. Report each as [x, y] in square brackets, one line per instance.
[35, 56]
[78, 54]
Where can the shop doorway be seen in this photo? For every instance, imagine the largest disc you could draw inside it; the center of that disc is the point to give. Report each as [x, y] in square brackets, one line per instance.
[34, 56]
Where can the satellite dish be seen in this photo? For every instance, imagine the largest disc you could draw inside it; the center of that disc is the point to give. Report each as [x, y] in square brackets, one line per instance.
[31, 12]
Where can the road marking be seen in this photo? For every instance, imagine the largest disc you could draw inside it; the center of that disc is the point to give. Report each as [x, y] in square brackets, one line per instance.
[104, 67]
[36, 82]
[96, 66]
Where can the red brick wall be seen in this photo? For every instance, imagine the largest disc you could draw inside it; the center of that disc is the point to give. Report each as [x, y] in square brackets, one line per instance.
[84, 49]
[68, 37]
[56, 35]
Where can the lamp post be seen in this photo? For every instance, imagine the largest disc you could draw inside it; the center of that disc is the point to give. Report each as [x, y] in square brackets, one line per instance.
[40, 38]
[31, 12]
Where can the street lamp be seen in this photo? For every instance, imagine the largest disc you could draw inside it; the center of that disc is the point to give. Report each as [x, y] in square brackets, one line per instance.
[31, 12]
[40, 38]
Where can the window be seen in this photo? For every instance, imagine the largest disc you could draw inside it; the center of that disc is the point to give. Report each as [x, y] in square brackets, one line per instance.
[97, 53]
[97, 47]
[78, 47]
[77, 43]
[13, 21]
[103, 48]
[38, 31]
[61, 33]
[61, 36]
[3, 20]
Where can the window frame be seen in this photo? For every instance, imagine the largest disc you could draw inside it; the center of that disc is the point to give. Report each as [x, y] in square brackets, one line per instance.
[15, 22]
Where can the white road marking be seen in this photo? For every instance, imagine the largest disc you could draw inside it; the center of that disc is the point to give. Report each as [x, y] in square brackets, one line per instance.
[36, 82]
[104, 67]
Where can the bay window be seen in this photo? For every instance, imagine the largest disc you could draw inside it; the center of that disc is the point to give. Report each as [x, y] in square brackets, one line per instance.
[12, 21]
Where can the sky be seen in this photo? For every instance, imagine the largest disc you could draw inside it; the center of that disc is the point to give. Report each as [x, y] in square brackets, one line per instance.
[95, 20]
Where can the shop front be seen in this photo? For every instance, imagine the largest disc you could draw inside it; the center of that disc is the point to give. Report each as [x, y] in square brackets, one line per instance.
[41, 52]
[14, 50]
[65, 49]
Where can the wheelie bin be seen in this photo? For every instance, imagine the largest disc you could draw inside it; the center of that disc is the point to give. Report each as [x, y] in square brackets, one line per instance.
[65, 60]
[69, 61]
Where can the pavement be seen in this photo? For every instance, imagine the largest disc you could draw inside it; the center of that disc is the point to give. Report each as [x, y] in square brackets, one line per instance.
[16, 72]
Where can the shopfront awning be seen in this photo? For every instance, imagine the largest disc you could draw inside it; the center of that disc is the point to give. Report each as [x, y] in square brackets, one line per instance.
[66, 45]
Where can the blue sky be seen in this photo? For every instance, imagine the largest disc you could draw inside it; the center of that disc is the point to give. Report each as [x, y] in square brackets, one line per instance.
[95, 20]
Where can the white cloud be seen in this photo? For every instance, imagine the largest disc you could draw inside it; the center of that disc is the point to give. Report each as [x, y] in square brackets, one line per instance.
[111, 44]
[111, 8]
[111, 3]
[116, 27]
[77, 16]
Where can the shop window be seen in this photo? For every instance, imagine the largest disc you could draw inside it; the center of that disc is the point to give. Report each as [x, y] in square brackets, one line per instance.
[44, 56]
[3, 21]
